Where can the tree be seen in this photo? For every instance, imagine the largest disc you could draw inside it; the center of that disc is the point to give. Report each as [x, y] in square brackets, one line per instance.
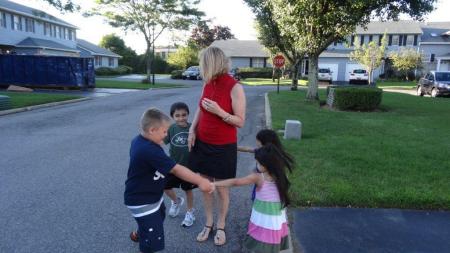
[184, 57]
[149, 17]
[369, 55]
[270, 36]
[117, 45]
[202, 36]
[406, 60]
[314, 25]
[67, 5]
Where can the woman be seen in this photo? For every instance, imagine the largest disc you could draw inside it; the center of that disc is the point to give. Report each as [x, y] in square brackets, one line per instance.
[213, 134]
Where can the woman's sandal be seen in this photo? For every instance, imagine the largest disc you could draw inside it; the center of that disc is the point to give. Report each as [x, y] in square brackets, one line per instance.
[134, 236]
[220, 237]
[204, 235]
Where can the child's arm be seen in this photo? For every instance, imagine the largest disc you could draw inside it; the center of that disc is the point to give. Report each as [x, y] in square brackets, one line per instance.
[187, 175]
[246, 149]
[250, 179]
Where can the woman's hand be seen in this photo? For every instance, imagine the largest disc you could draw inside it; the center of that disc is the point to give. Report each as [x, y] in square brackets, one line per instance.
[191, 140]
[211, 106]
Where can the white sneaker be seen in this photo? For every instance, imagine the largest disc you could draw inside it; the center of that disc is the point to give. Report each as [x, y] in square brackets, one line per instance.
[175, 207]
[189, 219]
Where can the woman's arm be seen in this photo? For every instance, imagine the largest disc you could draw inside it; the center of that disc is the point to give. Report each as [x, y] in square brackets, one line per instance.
[250, 179]
[246, 149]
[237, 103]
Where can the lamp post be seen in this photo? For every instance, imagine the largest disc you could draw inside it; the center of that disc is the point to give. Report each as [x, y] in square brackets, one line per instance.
[153, 56]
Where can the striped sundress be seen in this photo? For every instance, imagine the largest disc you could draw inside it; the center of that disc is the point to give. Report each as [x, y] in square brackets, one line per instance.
[267, 229]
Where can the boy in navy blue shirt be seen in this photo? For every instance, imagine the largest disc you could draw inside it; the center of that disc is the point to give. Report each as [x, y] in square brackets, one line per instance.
[146, 179]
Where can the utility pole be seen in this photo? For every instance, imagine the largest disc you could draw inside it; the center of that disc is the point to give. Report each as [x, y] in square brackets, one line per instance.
[153, 56]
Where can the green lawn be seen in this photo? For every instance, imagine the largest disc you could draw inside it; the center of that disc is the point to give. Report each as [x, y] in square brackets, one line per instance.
[20, 99]
[268, 81]
[133, 85]
[397, 85]
[394, 158]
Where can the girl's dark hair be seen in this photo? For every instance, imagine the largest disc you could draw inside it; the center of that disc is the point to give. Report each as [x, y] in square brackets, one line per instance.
[268, 136]
[178, 106]
[275, 162]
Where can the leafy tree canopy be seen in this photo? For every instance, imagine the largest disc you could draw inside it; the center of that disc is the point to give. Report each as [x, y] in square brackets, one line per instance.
[67, 5]
[202, 35]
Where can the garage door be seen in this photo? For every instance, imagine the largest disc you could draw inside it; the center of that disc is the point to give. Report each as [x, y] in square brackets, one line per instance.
[350, 67]
[333, 67]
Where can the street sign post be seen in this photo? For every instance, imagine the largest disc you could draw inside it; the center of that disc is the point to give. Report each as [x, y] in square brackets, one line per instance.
[278, 62]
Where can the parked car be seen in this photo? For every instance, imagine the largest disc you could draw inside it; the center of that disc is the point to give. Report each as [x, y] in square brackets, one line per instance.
[325, 75]
[435, 83]
[192, 72]
[359, 76]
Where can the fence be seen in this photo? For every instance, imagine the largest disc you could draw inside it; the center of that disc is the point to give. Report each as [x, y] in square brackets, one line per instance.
[47, 71]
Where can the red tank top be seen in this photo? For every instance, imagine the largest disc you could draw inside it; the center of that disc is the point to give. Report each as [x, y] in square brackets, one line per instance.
[211, 128]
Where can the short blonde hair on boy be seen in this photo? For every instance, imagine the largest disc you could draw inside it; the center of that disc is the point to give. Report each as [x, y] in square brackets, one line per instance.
[213, 62]
[152, 117]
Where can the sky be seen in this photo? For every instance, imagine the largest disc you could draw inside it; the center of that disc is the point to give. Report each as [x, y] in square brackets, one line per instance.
[232, 13]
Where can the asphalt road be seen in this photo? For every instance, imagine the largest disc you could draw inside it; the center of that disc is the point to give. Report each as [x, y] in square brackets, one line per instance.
[62, 173]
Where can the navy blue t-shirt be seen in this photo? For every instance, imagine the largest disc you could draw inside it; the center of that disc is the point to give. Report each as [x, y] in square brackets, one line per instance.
[147, 172]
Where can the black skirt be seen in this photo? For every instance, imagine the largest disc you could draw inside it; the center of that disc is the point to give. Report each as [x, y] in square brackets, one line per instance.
[216, 161]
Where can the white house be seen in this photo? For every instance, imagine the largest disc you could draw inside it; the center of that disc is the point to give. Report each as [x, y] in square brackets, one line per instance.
[432, 40]
[28, 31]
[164, 51]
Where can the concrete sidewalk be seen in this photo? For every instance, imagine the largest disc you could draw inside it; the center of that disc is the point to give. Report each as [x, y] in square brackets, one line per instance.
[370, 230]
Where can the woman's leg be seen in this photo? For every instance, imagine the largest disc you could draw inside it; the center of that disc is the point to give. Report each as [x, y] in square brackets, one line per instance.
[224, 202]
[208, 199]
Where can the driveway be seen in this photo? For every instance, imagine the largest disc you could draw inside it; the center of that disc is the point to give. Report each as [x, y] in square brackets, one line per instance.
[63, 171]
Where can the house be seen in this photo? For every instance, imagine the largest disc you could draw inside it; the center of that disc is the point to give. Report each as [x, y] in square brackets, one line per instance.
[164, 51]
[102, 57]
[431, 39]
[244, 53]
[28, 31]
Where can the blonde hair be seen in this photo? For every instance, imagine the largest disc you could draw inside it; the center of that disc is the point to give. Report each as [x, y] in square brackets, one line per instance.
[213, 62]
[152, 117]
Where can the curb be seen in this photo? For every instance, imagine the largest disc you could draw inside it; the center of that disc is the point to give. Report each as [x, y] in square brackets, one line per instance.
[269, 126]
[34, 107]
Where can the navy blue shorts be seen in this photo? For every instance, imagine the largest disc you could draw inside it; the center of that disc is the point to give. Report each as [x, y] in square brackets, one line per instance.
[151, 231]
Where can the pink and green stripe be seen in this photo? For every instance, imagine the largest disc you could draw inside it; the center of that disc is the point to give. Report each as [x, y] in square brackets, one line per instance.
[266, 207]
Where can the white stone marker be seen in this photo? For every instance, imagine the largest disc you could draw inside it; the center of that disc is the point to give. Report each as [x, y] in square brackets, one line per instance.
[293, 129]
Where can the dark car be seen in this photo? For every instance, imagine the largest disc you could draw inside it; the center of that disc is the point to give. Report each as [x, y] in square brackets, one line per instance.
[192, 72]
[435, 83]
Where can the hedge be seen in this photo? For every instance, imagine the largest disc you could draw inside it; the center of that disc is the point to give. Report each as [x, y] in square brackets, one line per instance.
[176, 74]
[357, 98]
[121, 70]
[255, 72]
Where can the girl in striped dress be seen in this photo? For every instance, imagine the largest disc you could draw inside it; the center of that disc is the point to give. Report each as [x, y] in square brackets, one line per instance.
[267, 229]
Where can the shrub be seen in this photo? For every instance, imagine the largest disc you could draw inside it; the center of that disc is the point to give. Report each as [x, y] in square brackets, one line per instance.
[357, 98]
[176, 74]
[121, 70]
[255, 72]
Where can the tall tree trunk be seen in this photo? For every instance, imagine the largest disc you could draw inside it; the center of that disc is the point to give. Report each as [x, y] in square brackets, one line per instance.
[313, 84]
[294, 70]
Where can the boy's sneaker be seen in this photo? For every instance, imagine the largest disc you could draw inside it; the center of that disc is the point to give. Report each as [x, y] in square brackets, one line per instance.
[175, 207]
[189, 219]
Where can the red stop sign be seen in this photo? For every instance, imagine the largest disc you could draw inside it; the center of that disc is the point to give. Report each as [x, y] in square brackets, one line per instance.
[278, 61]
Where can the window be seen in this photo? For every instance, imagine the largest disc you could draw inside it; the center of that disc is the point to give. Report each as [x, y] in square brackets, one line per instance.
[258, 62]
[395, 40]
[98, 60]
[415, 40]
[370, 38]
[53, 30]
[16, 23]
[2, 19]
[380, 38]
[409, 40]
[66, 35]
[400, 40]
[390, 40]
[163, 55]
[47, 30]
[362, 40]
[29, 25]
[57, 31]
[352, 40]
[111, 61]
[70, 34]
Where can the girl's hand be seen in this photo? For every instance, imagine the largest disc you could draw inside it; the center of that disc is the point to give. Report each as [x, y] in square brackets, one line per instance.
[211, 106]
[191, 140]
